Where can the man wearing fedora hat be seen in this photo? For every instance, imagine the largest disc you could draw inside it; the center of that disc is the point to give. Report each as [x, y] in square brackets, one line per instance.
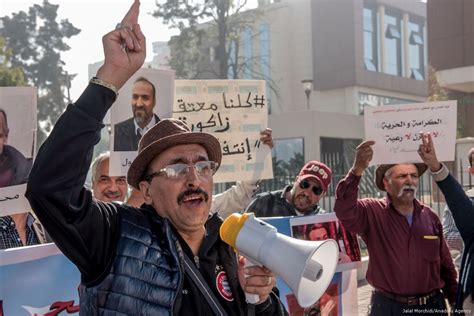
[165, 258]
[410, 266]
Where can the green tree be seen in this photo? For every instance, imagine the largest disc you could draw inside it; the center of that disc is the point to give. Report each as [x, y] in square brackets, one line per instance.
[206, 26]
[9, 76]
[37, 39]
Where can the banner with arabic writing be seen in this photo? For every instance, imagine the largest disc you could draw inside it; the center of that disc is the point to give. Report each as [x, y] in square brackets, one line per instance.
[235, 111]
[17, 146]
[38, 280]
[396, 130]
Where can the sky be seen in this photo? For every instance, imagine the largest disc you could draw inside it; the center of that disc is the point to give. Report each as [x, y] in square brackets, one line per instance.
[95, 19]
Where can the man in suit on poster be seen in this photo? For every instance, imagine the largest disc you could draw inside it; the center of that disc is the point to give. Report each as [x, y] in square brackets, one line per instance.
[127, 133]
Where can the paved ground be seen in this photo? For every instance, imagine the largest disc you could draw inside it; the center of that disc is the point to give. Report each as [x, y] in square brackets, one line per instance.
[364, 291]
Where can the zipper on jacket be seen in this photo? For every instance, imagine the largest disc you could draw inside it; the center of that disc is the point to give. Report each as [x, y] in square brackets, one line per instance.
[196, 261]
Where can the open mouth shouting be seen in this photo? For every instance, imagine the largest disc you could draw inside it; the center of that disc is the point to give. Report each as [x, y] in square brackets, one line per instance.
[193, 197]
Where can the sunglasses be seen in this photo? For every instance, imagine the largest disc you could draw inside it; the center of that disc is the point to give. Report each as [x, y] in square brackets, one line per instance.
[304, 184]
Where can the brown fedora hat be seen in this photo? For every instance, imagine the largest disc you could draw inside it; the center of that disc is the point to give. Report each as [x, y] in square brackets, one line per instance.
[381, 169]
[165, 134]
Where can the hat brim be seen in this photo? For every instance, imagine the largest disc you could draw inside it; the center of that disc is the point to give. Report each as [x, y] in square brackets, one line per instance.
[381, 169]
[137, 169]
[308, 176]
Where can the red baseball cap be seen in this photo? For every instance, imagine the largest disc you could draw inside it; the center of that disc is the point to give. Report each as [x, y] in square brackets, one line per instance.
[316, 170]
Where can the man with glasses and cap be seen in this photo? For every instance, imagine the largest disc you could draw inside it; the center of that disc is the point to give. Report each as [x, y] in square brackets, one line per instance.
[410, 267]
[165, 258]
[300, 198]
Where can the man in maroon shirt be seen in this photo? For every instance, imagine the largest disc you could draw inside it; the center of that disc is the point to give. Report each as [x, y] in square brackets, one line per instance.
[410, 266]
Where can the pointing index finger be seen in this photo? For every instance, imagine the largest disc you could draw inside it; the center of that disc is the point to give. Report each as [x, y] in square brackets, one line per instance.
[131, 18]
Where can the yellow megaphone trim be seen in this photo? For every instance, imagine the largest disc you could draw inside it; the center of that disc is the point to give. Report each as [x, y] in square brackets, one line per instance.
[232, 226]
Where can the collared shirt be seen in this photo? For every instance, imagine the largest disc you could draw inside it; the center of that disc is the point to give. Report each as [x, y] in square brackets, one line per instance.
[9, 237]
[141, 131]
[404, 260]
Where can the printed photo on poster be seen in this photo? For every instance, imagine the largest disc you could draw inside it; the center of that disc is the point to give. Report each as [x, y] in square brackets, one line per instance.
[328, 305]
[344, 283]
[327, 226]
[17, 146]
[145, 99]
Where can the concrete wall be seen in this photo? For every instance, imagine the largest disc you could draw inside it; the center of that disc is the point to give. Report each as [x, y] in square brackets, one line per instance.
[450, 33]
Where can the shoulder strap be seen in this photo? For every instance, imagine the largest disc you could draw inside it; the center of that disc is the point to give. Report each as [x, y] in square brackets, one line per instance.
[198, 280]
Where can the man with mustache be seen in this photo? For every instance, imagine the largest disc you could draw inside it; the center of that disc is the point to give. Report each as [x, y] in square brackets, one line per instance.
[127, 133]
[108, 188]
[300, 198]
[166, 257]
[410, 266]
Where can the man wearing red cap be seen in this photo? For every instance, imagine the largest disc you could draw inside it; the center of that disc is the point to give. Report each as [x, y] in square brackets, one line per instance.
[300, 198]
[410, 266]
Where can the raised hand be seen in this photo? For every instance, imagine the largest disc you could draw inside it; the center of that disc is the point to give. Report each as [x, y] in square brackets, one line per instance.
[364, 154]
[124, 49]
[266, 137]
[427, 152]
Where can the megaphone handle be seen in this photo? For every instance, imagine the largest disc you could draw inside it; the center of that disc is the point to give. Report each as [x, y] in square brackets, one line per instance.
[251, 298]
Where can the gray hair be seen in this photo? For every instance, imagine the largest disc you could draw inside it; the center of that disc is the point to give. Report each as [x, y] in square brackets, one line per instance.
[97, 163]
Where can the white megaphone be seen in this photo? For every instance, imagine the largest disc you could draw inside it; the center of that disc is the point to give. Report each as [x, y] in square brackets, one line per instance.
[306, 266]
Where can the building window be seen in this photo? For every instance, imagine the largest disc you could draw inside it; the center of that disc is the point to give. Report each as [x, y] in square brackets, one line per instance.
[416, 50]
[288, 159]
[366, 99]
[393, 44]
[265, 60]
[370, 39]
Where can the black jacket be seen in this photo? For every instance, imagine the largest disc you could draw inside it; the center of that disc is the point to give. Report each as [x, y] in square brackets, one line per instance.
[87, 231]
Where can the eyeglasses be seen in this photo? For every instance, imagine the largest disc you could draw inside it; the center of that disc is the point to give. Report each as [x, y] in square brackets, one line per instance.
[180, 170]
[304, 184]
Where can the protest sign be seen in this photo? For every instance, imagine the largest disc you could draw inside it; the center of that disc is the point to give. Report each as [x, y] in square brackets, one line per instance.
[234, 111]
[17, 146]
[340, 298]
[124, 138]
[396, 130]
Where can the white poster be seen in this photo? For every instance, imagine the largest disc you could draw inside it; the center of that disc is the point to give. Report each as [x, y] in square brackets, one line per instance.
[17, 146]
[396, 130]
[146, 98]
[234, 111]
